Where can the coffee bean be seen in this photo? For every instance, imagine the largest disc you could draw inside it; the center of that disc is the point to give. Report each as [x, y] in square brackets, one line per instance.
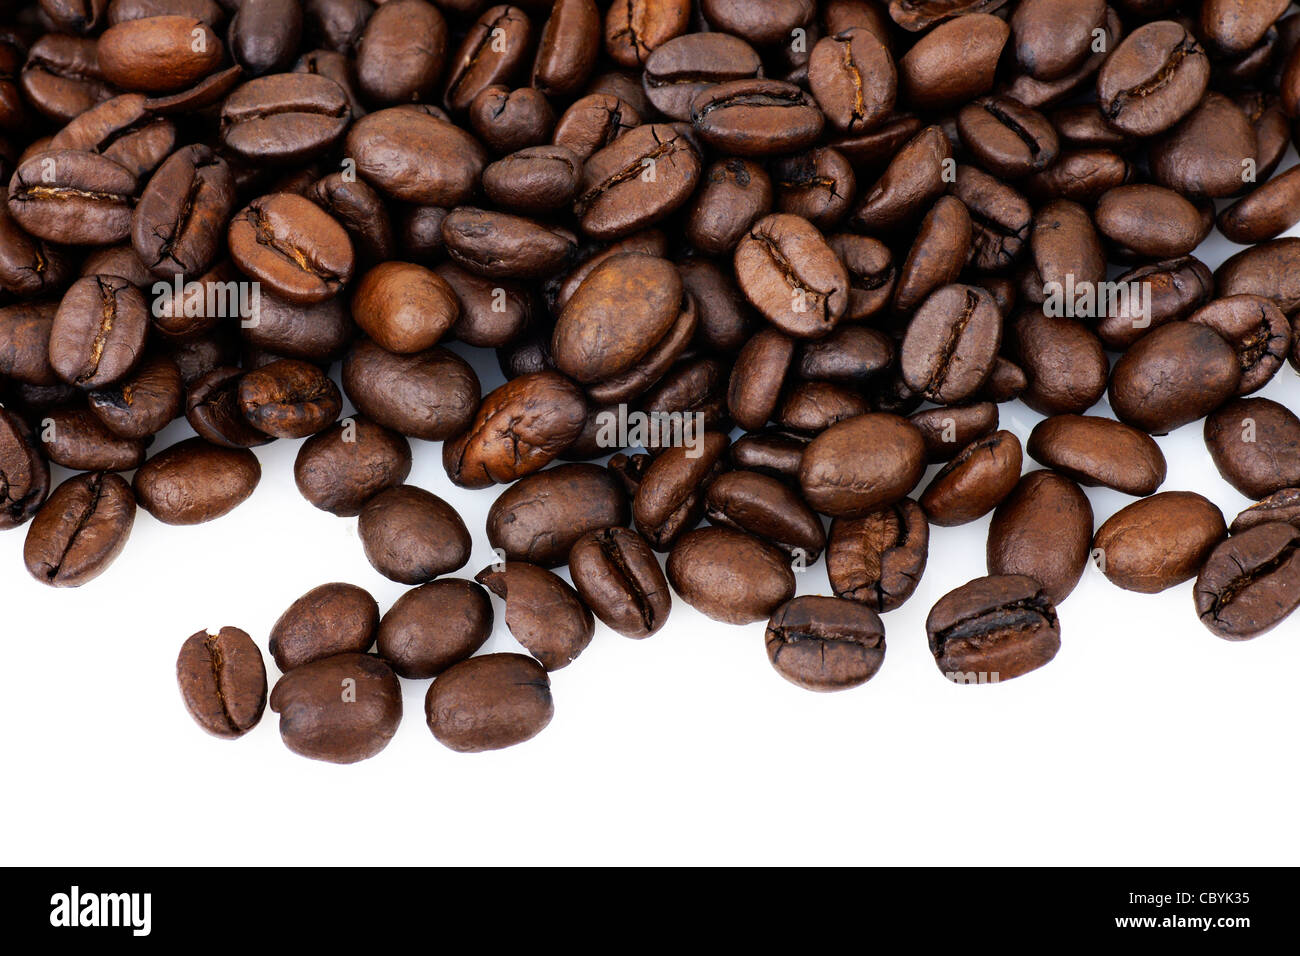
[764, 25]
[1153, 79]
[435, 626]
[825, 643]
[1053, 37]
[1269, 270]
[223, 681]
[411, 535]
[951, 342]
[1282, 505]
[508, 120]
[284, 118]
[1154, 222]
[99, 331]
[76, 439]
[1080, 175]
[1173, 375]
[543, 613]
[264, 35]
[1158, 542]
[124, 130]
[1236, 27]
[431, 395]
[195, 481]
[1255, 444]
[414, 157]
[1265, 213]
[767, 509]
[947, 430]
[1208, 153]
[72, 197]
[1001, 218]
[915, 178]
[519, 429]
[670, 496]
[839, 483]
[489, 702]
[402, 52]
[756, 117]
[492, 51]
[993, 629]
[341, 468]
[289, 399]
[501, 246]
[29, 266]
[942, 248]
[636, 181]
[1099, 451]
[1043, 529]
[1066, 251]
[789, 273]
[772, 452]
[680, 69]
[213, 409]
[24, 474]
[177, 224]
[1063, 360]
[733, 195]
[1176, 286]
[80, 530]
[290, 244]
[926, 75]
[404, 307]
[618, 577]
[539, 518]
[160, 54]
[327, 620]
[729, 576]
[975, 481]
[341, 709]
[534, 181]
[1251, 582]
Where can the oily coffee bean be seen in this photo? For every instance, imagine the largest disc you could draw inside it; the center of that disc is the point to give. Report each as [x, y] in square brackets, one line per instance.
[949, 429]
[80, 530]
[1154, 78]
[729, 576]
[838, 482]
[341, 468]
[1282, 505]
[942, 248]
[435, 626]
[1001, 218]
[327, 620]
[264, 35]
[756, 117]
[539, 518]
[951, 342]
[287, 242]
[1175, 374]
[1250, 583]
[914, 179]
[1255, 445]
[214, 410]
[812, 407]
[162, 54]
[492, 313]
[975, 481]
[340, 709]
[925, 72]
[29, 266]
[361, 211]
[411, 535]
[317, 333]
[519, 428]
[543, 613]
[1264, 213]
[195, 481]
[502, 246]
[1158, 542]
[1043, 529]
[756, 379]
[788, 272]
[1208, 153]
[431, 395]
[818, 186]
[492, 51]
[24, 474]
[1257, 329]
[73, 197]
[1053, 37]
[636, 181]
[878, 559]
[1064, 247]
[404, 307]
[1154, 222]
[25, 342]
[825, 643]
[492, 701]
[177, 224]
[1176, 286]
[993, 629]
[415, 157]
[592, 122]
[289, 399]
[284, 118]
[99, 331]
[619, 578]
[680, 69]
[1080, 175]
[76, 439]
[768, 509]
[1099, 451]
[124, 130]
[774, 453]
[670, 495]
[222, 681]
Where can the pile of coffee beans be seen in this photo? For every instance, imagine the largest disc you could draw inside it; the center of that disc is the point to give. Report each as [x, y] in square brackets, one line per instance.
[767, 261]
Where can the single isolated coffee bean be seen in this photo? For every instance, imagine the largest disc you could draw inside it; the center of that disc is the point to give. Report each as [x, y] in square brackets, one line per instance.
[825, 643]
[340, 709]
[489, 702]
[878, 559]
[434, 626]
[330, 619]
[411, 535]
[1158, 542]
[617, 575]
[543, 613]
[1251, 582]
[729, 576]
[80, 530]
[222, 681]
[993, 629]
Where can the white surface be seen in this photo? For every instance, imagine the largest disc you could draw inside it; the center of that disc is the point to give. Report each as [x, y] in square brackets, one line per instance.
[1147, 740]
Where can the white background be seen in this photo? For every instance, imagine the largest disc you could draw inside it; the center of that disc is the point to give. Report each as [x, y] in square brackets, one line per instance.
[1147, 740]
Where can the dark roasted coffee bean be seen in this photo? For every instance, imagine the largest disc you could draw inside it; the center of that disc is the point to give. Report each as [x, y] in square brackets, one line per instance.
[431, 395]
[636, 181]
[1251, 582]
[768, 509]
[1176, 287]
[415, 157]
[341, 709]
[404, 307]
[24, 474]
[411, 535]
[789, 273]
[99, 331]
[264, 35]
[1207, 154]
[680, 69]
[813, 407]
[434, 627]
[534, 181]
[1001, 217]
[213, 409]
[543, 613]
[850, 355]
[507, 120]
[1099, 451]
[61, 77]
[993, 629]
[492, 701]
[289, 243]
[878, 559]
[951, 343]
[619, 578]
[734, 194]
[853, 78]
[825, 643]
[177, 225]
[492, 52]
[729, 576]
[1255, 444]
[1258, 331]
[1065, 250]
[757, 377]
[222, 681]
[539, 518]
[124, 130]
[327, 620]
[1270, 270]
[1053, 38]
[1175, 374]
[1234, 27]
[29, 266]
[1062, 359]
[633, 30]
[76, 439]
[567, 49]
[73, 197]
[25, 342]
[402, 53]
[1158, 542]
[289, 399]
[871, 272]
[1006, 138]
[838, 482]
[1080, 175]
[757, 117]
[670, 498]
[80, 530]
[284, 118]
[975, 481]
[195, 481]
[161, 54]
[519, 428]
[1154, 78]
[1153, 222]
[501, 246]
[593, 122]
[925, 73]
[914, 179]
[947, 430]
[1282, 505]
[774, 453]
[942, 248]
[818, 186]
[361, 211]
[1266, 212]
[341, 468]
[1043, 529]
